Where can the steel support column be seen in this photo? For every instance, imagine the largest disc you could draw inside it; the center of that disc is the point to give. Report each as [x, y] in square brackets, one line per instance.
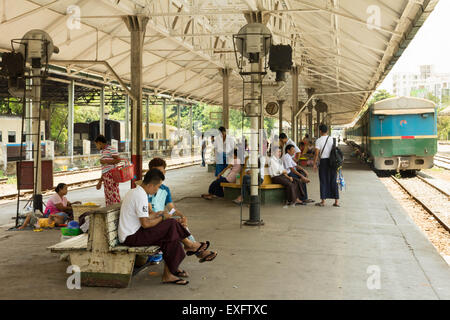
[300, 120]
[147, 118]
[136, 26]
[225, 73]
[295, 73]
[127, 124]
[310, 92]
[280, 116]
[318, 123]
[190, 129]
[164, 126]
[102, 111]
[178, 117]
[70, 119]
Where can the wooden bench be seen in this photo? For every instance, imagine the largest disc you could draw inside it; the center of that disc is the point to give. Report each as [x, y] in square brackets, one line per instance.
[103, 261]
[270, 193]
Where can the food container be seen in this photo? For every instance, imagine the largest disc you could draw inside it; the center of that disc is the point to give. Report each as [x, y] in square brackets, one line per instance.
[70, 232]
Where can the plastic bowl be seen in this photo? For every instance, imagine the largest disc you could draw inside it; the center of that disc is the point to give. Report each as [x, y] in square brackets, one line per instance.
[70, 232]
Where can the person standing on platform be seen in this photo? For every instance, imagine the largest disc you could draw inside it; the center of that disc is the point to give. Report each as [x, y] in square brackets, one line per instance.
[327, 176]
[285, 141]
[223, 146]
[203, 149]
[108, 160]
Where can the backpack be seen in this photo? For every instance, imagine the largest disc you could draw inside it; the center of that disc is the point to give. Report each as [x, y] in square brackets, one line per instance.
[336, 156]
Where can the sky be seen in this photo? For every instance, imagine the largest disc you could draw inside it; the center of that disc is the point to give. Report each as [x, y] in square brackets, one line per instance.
[431, 45]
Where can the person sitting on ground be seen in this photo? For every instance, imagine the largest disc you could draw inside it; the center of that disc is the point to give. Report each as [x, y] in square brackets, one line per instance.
[285, 141]
[279, 175]
[37, 220]
[59, 203]
[297, 172]
[137, 227]
[215, 189]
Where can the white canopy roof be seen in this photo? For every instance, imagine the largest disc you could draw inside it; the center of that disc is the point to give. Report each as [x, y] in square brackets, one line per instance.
[342, 46]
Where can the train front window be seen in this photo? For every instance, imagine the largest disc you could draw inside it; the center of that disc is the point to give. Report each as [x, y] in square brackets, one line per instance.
[11, 136]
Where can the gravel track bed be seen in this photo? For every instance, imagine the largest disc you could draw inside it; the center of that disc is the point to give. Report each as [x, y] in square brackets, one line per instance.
[434, 231]
[432, 198]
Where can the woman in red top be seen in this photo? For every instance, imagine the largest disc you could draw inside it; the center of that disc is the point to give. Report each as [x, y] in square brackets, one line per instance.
[109, 159]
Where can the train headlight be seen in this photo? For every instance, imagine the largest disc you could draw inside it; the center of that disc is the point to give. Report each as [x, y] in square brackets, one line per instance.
[381, 151]
[426, 150]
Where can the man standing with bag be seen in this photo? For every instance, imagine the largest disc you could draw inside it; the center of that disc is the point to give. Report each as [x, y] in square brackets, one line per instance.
[327, 172]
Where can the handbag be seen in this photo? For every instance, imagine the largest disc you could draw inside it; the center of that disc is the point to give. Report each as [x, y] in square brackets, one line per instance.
[123, 173]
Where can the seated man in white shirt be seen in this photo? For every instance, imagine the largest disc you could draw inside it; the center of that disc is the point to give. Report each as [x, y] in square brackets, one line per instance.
[139, 228]
[285, 141]
[297, 172]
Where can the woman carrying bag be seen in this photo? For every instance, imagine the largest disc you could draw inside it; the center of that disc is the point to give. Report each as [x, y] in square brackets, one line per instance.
[108, 160]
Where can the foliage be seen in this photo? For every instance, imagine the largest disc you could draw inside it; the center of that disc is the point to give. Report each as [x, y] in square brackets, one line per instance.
[378, 96]
[11, 106]
[443, 127]
[433, 98]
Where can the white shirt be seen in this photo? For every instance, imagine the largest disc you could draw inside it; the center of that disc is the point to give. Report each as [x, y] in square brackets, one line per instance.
[134, 206]
[297, 150]
[226, 146]
[320, 144]
[276, 167]
[288, 162]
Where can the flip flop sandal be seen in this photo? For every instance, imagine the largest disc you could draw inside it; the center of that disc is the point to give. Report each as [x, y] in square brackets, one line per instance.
[191, 253]
[309, 201]
[300, 204]
[178, 282]
[336, 205]
[182, 274]
[209, 257]
[319, 205]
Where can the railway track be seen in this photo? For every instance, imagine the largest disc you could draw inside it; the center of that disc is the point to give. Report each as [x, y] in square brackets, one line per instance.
[442, 161]
[63, 173]
[88, 183]
[432, 198]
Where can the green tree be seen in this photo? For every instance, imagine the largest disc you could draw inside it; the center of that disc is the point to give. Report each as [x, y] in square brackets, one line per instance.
[433, 98]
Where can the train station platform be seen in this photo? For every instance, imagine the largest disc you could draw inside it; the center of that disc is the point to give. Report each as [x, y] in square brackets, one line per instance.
[306, 252]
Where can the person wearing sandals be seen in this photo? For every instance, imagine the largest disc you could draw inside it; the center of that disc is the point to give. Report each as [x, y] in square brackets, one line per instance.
[215, 189]
[297, 172]
[279, 175]
[139, 228]
[327, 176]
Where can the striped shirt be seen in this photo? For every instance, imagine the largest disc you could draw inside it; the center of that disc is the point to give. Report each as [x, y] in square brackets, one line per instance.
[107, 154]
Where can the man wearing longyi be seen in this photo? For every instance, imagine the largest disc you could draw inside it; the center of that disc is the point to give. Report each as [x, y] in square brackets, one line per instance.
[139, 228]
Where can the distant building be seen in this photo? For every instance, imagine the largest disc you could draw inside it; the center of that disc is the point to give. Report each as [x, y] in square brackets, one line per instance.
[419, 84]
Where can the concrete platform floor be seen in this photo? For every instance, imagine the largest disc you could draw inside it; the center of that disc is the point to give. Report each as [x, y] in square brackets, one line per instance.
[301, 253]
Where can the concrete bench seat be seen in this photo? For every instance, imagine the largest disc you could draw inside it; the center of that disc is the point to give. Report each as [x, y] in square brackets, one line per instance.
[103, 261]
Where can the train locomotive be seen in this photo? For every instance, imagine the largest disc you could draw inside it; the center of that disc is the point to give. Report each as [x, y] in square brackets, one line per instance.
[397, 134]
